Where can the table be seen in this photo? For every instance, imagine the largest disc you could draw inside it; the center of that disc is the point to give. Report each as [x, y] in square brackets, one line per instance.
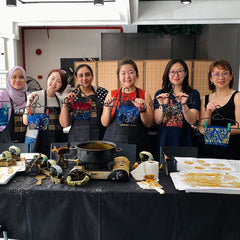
[105, 210]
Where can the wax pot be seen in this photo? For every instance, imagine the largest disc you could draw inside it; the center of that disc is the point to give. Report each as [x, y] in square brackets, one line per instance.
[96, 152]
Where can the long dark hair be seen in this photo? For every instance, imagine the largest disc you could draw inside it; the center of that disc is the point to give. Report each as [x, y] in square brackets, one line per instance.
[166, 84]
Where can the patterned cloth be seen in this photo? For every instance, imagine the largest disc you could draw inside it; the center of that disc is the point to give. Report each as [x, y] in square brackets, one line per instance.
[38, 121]
[127, 115]
[3, 117]
[217, 136]
[175, 130]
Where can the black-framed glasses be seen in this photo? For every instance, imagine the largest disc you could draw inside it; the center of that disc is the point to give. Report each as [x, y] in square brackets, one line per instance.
[223, 74]
[179, 72]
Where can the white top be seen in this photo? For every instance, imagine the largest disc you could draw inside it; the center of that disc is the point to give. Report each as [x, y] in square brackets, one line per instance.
[39, 104]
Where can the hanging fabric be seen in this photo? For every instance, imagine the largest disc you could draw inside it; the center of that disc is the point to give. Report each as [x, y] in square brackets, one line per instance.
[215, 135]
[4, 116]
[38, 121]
[126, 113]
[81, 109]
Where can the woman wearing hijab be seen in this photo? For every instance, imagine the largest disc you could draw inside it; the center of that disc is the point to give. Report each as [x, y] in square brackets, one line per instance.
[12, 103]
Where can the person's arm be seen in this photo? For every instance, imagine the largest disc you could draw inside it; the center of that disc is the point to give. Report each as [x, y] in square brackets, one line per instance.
[107, 110]
[205, 114]
[235, 128]
[161, 99]
[30, 100]
[147, 116]
[65, 118]
[191, 115]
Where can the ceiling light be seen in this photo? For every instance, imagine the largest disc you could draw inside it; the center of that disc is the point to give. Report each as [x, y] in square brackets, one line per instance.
[98, 2]
[186, 1]
[11, 3]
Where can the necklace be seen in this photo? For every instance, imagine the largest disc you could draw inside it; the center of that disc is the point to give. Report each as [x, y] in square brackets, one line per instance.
[223, 96]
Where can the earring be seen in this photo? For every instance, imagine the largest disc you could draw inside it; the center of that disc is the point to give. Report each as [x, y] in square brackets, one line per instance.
[212, 83]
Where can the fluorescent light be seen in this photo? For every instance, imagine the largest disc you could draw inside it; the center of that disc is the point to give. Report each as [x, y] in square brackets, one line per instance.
[186, 1]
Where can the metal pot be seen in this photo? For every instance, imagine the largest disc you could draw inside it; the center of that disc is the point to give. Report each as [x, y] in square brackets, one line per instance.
[96, 152]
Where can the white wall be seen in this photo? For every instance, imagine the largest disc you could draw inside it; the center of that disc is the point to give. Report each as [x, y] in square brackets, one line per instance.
[59, 43]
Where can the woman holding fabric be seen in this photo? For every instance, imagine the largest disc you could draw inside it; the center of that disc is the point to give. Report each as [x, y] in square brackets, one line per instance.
[42, 114]
[126, 113]
[12, 104]
[220, 108]
[176, 106]
[83, 108]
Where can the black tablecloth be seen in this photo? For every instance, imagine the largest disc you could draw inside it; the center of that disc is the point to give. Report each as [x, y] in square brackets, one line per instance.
[105, 210]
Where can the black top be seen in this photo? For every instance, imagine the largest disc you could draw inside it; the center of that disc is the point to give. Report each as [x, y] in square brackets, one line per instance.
[221, 117]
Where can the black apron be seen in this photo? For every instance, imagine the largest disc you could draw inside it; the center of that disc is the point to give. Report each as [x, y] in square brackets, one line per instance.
[128, 134]
[15, 130]
[91, 128]
[53, 134]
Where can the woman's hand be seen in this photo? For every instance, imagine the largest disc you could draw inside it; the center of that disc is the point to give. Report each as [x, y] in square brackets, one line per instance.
[182, 98]
[109, 102]
[31, 98]
[69, 97]
[140, 103]
[107, 109]
[211, 106]
[163, 98]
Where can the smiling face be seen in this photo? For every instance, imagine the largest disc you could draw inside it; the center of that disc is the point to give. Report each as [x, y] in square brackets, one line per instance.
[220, 77]
[177, 74]
[17, 79]
[127, 76]
[84, 77]
[54, 82]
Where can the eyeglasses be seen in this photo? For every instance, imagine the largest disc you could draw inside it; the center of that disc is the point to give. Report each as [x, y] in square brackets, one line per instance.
[62, 71]
[223, 74]
[179, 72]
